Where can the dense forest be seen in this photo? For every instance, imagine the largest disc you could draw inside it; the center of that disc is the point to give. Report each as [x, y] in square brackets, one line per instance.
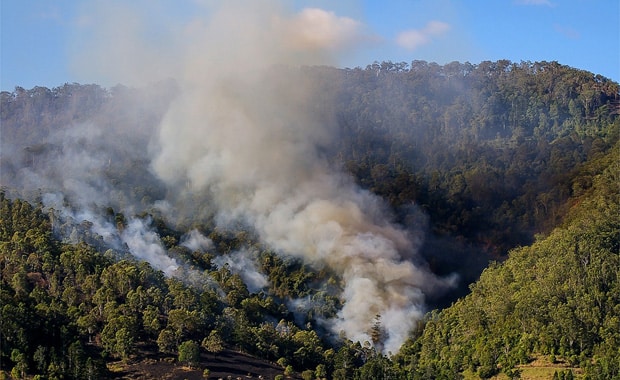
[505, 176]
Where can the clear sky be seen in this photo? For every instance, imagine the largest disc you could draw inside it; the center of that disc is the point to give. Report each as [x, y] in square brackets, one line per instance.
[42, 40]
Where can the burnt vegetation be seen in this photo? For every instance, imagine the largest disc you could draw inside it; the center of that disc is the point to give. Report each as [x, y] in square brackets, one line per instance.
[516, 163]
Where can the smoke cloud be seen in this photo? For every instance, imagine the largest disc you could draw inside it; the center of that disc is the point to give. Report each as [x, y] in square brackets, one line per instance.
[70, 171]
[245, 134]
[145, 245]
[242, 263]
[137, 237]
[196, 241]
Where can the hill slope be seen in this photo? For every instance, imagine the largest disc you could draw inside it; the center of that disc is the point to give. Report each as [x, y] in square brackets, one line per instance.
[446, 165]
[558, 297]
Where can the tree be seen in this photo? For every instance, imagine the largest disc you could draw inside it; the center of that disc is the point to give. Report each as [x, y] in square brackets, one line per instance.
[124, 343]
[289, 371]
[166, 341]
[309, 351]
[76, 359]
[340, 374]
[213, 343]
[87, 325]
[40, 358]
[282, 362]
[150, 320]
[183, 322]
[21, 364]
[189, 353]
[118, 335]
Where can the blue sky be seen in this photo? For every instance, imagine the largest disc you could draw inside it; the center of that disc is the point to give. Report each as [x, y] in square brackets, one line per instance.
[42, 40]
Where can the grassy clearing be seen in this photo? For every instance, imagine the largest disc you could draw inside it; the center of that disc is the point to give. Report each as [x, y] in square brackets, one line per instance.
[539, 369]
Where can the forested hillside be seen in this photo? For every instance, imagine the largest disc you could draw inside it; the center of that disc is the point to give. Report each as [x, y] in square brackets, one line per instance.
[487, 150]
[558, 297]
[102, 259]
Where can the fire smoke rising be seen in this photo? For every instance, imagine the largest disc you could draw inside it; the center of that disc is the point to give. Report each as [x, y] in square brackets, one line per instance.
[244, 134]
[242, 263]
[196, 241]
[137, 237]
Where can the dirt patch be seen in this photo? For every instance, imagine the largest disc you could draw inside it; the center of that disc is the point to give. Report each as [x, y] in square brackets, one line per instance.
[226, 365]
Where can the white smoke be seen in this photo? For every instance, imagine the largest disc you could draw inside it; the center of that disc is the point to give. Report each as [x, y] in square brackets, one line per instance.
[242, 263]
[71, 173]
[137, 236]
[245, 134]
[65, 217]
[146, 245]
[196, 241]
[71, 161]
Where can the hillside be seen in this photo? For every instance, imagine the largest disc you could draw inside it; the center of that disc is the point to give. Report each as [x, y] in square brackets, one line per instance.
[558, 297]
[315, 228]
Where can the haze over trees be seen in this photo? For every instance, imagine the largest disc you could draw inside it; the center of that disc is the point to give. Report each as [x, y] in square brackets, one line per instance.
[514, 162]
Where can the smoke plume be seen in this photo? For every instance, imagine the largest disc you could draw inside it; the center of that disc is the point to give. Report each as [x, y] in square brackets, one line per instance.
[243, 264]
[145, 245]
[196, 241]
[246, 135]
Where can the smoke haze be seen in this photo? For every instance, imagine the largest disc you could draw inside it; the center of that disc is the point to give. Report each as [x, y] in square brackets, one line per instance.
[242, 133]
[245, 136]
[196, 241]
[242, 263]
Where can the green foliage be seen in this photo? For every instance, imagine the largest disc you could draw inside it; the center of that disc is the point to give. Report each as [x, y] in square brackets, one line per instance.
[166, 341]
[37, 322]
[213, 343]
[321, 371]
[486, 149]
[289, 371]
[189, 353]
[307, 374]
[379, 367]
[282, 362]
[554, 298]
